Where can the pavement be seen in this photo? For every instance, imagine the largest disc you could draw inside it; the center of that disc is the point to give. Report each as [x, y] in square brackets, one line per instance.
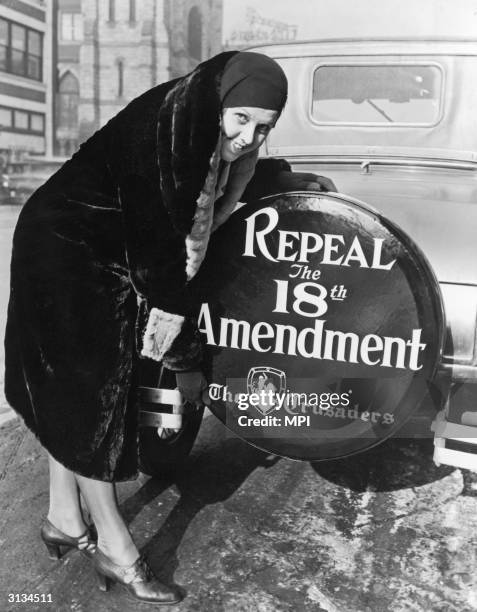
[8, 218]
[239, 530]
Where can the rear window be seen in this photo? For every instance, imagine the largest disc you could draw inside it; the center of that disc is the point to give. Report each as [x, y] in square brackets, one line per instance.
[393, 94]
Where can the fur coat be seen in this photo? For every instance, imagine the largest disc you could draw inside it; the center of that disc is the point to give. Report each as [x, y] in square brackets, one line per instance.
[104, 250]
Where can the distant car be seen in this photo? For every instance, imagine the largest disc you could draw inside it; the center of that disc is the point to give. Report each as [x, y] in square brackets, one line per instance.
[20, 178]
[392, 123]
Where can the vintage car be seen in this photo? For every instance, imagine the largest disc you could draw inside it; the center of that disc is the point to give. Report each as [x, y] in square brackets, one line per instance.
[390, 122]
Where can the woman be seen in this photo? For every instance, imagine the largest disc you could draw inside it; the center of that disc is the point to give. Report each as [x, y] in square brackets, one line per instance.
[102, 256]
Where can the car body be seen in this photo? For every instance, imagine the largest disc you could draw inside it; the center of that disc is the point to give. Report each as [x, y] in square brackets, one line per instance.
[390, 122]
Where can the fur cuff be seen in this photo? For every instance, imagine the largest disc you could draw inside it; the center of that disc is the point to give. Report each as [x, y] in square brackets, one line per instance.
[161, 330]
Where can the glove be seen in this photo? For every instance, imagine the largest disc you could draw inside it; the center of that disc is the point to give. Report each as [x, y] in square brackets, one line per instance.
[304, 181]
[193, 386]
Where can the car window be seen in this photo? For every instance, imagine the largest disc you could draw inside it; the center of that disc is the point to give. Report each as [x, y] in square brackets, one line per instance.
[394, 94]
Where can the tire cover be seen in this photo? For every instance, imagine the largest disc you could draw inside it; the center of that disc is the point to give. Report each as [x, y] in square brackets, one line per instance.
[285, 279]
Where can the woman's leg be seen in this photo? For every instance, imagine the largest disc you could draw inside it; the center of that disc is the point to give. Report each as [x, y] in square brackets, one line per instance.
[65, 512]
[65, 508]
[114, 539]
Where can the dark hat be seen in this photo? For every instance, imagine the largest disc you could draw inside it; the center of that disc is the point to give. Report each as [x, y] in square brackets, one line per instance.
[253, 79]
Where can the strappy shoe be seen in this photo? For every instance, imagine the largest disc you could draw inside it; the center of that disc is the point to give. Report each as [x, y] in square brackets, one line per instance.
[138, 579]
[58, 543]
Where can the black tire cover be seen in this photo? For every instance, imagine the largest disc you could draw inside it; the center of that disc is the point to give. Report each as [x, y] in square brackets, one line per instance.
[359, 352]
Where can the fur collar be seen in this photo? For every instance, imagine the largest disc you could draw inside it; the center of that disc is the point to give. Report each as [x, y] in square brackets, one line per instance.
[187, 137]
[209, 214]
[189, 143]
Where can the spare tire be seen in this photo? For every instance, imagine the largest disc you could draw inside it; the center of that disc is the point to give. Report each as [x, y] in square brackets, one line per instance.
[159, 456]
[323, 325]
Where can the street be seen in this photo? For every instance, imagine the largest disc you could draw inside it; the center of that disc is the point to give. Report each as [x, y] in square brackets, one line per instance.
[240, 531]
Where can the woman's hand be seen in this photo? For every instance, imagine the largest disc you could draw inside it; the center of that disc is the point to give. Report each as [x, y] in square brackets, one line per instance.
[304, 181]
[193, 386]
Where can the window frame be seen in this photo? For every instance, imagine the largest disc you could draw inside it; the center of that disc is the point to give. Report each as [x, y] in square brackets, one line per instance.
[380, 64]
[4, 127]
[64, 118]
[74, 27]
[27, 54]
[132, 11]
[120, 75]
[18, 130]
[193, 29]
[111, 11]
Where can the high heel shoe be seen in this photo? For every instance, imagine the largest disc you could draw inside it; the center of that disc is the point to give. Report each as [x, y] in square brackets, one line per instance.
[138, 579]
[58, 543]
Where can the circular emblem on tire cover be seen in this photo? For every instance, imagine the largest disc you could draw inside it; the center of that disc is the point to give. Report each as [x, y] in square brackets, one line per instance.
[322, 323]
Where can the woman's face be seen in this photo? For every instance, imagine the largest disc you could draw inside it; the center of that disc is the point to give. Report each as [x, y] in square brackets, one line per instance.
[244, 129]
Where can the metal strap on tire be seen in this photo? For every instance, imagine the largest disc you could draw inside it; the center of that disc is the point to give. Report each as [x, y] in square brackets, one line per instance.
[160, 419]
[152, 395]
[166, 420]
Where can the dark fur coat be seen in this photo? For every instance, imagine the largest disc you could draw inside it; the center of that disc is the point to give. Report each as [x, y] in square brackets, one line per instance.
[97, 247]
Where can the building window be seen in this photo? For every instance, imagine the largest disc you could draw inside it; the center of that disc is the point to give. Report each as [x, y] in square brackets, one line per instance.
[3, 45]
[194, 37]
[6, 118]
[19, 120]
[67, 102]
[123, 11]
[18, 49]
[21, 50]
[37, 123]
[132, 11]
[34, 55]
[71, 26]
[112, 11]
[120, 65]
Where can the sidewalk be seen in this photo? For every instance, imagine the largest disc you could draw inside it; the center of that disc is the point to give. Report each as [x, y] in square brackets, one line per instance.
[6, 413]
[8, 218]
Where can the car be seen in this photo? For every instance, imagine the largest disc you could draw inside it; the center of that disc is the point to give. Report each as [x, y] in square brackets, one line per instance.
[388, 120]
[22, 177]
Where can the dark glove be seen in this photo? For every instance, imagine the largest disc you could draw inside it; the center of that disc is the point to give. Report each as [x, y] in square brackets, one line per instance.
[304, 181]
[193, 386]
